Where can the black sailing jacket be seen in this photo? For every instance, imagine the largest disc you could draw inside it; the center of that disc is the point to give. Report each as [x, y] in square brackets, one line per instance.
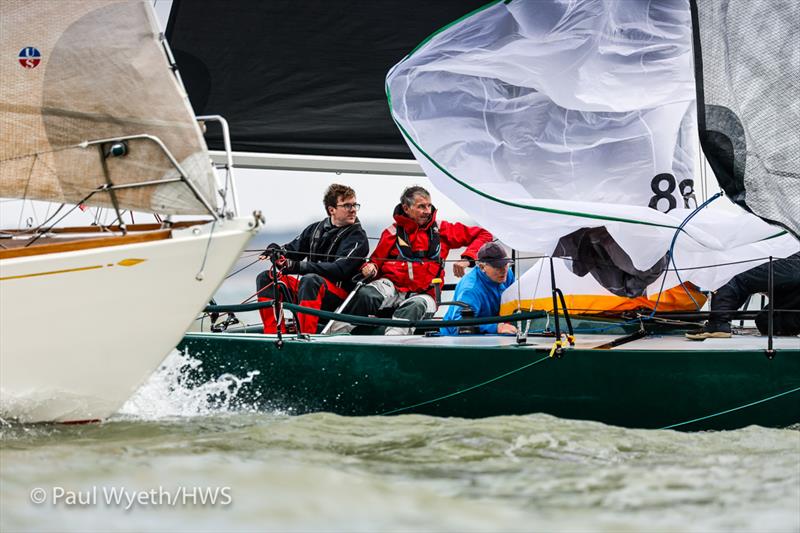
[334, 252]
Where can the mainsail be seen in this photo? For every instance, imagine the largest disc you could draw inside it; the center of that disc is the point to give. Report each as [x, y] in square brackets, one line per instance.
[569, 128]
[748, 90]
[85, 72]
[301, 77]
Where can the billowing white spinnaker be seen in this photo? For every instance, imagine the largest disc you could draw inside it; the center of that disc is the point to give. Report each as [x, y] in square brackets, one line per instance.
[545, 119]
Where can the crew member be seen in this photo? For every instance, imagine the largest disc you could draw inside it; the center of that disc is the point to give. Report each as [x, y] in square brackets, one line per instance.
[732, 295]
[409, 256]
[325, 256]
[482, 288]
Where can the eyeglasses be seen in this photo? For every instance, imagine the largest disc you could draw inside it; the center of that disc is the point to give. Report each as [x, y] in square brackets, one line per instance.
[350, 207]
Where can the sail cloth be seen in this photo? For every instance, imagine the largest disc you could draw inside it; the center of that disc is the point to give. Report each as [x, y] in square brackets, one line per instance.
[86, 70]
[748, 90]
[301, 77]
[569, 128]
[585, 296]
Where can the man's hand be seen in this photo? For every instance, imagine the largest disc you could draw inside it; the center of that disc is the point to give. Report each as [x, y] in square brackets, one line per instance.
[506, 328]
[460, 268]
[280, 263]
[273, 249]
[369, 270]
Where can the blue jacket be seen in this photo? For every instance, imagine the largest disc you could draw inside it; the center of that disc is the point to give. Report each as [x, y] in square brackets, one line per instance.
[482, 294]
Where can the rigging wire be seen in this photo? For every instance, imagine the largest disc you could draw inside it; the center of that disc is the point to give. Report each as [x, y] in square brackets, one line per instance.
[248, 265]
[532, 257]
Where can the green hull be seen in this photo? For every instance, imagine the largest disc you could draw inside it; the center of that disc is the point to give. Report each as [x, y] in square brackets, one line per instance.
[631, 387]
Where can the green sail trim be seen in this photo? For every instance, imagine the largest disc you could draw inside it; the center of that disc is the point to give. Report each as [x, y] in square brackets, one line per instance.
[478, 191]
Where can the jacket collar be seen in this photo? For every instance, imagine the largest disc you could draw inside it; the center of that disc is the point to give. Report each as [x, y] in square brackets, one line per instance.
[408, 224]
[327, 225]
[485, 279]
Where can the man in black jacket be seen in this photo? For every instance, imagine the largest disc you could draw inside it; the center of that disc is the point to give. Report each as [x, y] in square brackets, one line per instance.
[326, 256]
[732, 295]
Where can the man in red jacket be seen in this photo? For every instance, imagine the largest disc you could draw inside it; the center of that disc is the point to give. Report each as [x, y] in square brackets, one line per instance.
[410, 254]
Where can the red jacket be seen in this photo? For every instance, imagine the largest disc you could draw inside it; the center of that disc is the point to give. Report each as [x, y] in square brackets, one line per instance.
[410, 276]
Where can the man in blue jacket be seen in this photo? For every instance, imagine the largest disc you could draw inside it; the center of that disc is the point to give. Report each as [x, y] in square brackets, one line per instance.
[482, 288]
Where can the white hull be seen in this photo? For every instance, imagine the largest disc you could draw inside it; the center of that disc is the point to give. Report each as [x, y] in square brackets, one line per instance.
[80, 331]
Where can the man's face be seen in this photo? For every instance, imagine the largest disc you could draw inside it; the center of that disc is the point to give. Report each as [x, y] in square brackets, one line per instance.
[345, 211]
[420, 211]
[496, 274]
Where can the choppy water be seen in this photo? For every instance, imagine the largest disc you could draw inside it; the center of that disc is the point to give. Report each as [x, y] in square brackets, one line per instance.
[325, 472]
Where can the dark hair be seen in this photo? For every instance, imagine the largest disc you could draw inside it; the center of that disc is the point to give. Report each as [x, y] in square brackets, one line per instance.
[407, 198]
[333, 193]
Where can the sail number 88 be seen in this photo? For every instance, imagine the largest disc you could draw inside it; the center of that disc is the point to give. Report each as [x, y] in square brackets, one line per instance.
[663, 185]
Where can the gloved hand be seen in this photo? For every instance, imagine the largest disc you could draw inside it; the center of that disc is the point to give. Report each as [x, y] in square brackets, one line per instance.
[290, 266]
[274, 251]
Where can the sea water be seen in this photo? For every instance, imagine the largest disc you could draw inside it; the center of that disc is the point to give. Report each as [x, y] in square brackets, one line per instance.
[180, 459]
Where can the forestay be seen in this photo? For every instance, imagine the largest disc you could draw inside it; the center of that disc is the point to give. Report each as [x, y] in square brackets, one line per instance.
[569, 128]
[81, 71]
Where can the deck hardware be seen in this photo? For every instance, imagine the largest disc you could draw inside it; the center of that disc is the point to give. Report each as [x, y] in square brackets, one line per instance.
[116, 149]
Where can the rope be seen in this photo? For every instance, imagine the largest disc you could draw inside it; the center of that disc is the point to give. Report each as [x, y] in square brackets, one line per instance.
[732, 410]
[248, 265]
[671, 258]
[200, 274]
[674, 240]
[370, 321]
[462, 391]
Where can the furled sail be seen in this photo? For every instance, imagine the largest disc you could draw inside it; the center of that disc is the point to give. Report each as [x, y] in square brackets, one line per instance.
[747, 60]
[90, 70]
[569, 128]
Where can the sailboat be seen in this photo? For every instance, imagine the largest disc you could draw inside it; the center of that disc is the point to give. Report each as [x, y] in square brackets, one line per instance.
[92, 116]
[567, 128]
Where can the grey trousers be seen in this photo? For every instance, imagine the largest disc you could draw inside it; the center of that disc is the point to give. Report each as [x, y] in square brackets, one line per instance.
[382, 294]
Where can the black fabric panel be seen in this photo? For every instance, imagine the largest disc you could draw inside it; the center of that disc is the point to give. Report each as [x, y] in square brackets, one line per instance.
[302, 76]
[594, 251]
[747, 84]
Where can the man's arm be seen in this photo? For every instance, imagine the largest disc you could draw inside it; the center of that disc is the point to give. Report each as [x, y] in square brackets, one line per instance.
[381, 252]
[458, 235]
[297, 249]
[466, 293]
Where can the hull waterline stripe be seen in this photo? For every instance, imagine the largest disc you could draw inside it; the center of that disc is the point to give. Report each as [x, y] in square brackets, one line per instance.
[81, 269]
[125, 262]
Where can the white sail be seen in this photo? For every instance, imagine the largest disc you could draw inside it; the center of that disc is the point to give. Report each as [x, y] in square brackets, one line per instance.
[85, 72]
[558, 123]
[90, 70]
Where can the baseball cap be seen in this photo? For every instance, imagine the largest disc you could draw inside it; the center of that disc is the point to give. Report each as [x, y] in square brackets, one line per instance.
[493, 254]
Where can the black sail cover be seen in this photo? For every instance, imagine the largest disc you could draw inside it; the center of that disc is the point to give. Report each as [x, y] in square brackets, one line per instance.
[302, 76]
[747, 62]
